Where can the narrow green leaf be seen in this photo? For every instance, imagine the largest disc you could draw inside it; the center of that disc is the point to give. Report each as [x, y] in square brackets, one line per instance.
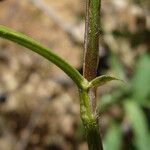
[101, 80]
[113, 138]
[43, 51]
[141, 79]
[139, 125]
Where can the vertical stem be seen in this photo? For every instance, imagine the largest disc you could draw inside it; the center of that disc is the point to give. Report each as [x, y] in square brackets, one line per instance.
[91, 45]
[88, 98]
[90, 123]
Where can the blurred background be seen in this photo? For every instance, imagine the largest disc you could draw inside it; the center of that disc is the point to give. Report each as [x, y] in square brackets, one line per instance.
[39, 104]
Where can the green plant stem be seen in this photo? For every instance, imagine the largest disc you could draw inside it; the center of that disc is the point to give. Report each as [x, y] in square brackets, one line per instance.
[91, 50]
[91, 44]
[45, 52]
[89, 121]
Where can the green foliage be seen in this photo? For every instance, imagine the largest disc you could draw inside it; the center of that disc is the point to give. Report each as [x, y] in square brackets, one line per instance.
[113, 138]
[133, 99]
[141, 80]
[138, 123]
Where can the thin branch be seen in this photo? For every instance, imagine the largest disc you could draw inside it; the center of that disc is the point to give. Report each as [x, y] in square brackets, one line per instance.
[45, 52]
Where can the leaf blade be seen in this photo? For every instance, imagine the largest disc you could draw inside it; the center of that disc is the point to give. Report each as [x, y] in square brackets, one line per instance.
[138, 123]
[113, 138]
[101, 80]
